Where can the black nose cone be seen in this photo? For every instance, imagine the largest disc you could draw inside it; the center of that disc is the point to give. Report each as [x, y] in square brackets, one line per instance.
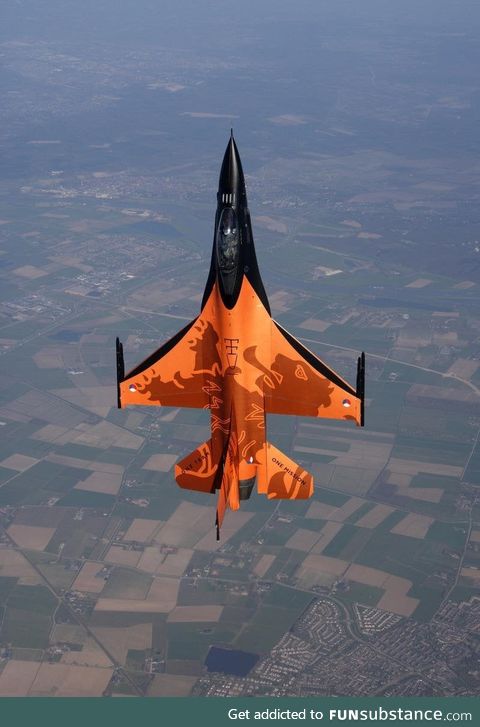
[231, 184]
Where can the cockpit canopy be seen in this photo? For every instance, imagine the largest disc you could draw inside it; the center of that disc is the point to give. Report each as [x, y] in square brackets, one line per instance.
[228, 241]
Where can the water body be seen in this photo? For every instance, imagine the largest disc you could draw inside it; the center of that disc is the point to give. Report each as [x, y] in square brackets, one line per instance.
[230, 661]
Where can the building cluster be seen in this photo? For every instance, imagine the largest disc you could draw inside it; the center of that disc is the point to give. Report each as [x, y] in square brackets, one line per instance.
[30, 306]
[464, 615]
[80, 603]
[329, 651]
[373, 621]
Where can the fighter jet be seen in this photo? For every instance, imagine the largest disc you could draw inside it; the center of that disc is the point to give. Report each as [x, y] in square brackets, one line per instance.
[236, 361]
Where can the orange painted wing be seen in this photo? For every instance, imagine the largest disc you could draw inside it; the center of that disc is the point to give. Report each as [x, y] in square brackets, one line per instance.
[178, 373]
[300, 383]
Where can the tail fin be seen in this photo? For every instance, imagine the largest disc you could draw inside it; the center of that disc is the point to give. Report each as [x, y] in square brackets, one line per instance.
[361, 387]
[120, 369]
[280, 478]
[197, 471]
[229, 492]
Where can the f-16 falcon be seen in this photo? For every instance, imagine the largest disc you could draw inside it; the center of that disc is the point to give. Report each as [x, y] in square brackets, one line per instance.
[240, 364]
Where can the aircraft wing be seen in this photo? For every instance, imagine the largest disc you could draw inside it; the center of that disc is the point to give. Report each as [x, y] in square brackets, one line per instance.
[300, 383]
[177, 374]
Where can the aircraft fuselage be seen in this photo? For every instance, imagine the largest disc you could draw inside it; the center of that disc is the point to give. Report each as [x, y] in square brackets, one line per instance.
[239, 363]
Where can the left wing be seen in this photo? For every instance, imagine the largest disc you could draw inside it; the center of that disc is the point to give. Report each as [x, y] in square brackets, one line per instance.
[300, 383]
[180, 373]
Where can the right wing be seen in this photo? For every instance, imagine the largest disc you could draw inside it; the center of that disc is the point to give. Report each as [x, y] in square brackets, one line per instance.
[180, 373]
[300, 383]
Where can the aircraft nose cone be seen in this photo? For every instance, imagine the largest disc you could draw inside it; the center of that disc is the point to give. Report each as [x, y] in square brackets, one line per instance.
[231, 181]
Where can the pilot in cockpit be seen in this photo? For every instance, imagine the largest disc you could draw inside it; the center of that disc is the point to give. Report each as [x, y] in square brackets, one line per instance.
[227, 240]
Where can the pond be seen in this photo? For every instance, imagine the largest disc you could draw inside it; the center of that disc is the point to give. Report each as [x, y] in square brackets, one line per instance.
[230, 661]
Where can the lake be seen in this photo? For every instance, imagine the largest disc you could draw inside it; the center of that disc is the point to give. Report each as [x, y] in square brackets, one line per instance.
[230, 661]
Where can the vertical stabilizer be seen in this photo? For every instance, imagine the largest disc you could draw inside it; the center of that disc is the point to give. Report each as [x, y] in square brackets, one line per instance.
[120, 369]
[228, 495]
[361, 386]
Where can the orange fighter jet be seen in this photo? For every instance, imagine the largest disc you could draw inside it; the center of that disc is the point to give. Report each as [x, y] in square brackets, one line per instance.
[239, 363]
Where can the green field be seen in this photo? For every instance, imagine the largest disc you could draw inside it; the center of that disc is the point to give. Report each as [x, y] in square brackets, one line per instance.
[43, 480]
[28, 618]
[410, 374]
[205, 591]
[77, 537]
[249, 531]
[428, 449]
[358, 514]
[84, 498]
[270, 622]
[407, 557]
[57, 575]
[287, 561]
[279, 533]
[360, 593]
[136, 659]
[321, 443]
[472, 474]
[23, 654]
[463, 592]
[421, 561]
[192, 640]
[127, 583]
[285, 597]
[452, 536]
[388, 400]
[423, 479]
[330, 497]
[7, 584]
[123, 686]
[348, 542]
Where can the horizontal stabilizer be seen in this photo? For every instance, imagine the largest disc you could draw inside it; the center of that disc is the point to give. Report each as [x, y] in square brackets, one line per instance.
[280, 478]
[197, 471]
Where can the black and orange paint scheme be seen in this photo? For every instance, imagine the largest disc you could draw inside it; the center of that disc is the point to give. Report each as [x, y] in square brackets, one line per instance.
[240, 364]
